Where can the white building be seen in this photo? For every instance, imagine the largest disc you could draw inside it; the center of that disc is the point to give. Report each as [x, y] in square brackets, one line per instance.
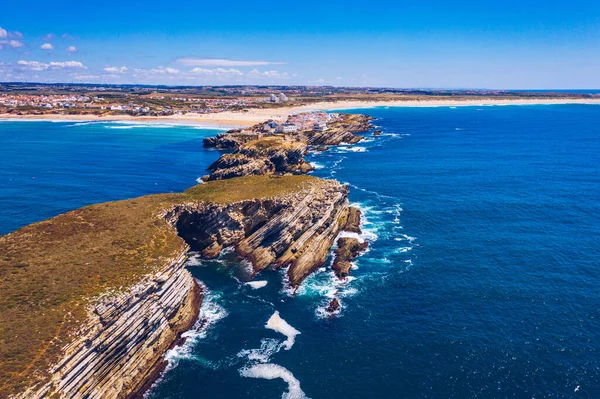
[273, 98]
[287, 128]
[320, 127]
[282, 97]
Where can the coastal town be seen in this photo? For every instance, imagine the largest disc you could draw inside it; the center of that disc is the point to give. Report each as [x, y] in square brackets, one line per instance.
[20, 99]
[153, 104]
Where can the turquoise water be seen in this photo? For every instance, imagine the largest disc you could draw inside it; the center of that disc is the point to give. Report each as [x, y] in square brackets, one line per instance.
[481, 280]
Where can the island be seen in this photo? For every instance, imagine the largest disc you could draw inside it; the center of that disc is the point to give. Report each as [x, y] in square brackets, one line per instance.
[91, 299]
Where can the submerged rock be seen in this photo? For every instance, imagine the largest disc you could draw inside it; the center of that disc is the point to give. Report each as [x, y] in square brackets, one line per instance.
[333, 306]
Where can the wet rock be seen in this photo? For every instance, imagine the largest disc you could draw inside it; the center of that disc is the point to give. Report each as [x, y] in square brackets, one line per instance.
[333, 306]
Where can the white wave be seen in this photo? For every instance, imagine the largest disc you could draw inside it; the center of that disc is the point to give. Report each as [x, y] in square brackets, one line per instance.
[268, 347]
[85, 123]
[257, 284]
[404, 249]
[210, 313]
[349, 234]
[276, 323]
[405, 237]
[200, 181]
[272, 371]
[316, 165]
[354, 149]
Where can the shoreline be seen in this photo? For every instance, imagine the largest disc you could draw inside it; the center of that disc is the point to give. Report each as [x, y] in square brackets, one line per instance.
[229, 119]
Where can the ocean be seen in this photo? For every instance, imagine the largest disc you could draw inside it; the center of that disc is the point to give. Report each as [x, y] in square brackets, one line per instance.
[481, 280]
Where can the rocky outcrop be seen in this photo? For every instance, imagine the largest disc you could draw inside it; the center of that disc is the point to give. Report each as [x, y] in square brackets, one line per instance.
[348, 249]
[230, 140]
[255, 153]
[117, 348]
[353, 223]
[295, 231]
[274, 155]
[123, 340]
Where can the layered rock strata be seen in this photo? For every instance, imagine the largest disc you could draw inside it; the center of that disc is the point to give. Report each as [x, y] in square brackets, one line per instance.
[124, 337]
[294, 231]
[275, 155]
[116, 347]
[255, 153]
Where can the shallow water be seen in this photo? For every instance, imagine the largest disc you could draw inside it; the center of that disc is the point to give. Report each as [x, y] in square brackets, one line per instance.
[480, 282]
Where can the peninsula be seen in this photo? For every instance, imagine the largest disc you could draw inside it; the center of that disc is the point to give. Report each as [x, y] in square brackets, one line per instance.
[91, 299]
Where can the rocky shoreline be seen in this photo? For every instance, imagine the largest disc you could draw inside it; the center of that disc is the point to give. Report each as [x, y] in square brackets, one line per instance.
[114, 346]
[253, 152]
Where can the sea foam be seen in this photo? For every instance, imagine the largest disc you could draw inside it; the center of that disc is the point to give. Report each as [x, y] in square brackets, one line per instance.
[276, 323]
[271, 371]
[210, 313]
[257, 284]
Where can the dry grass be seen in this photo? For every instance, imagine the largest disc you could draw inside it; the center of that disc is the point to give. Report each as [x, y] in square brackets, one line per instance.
[50, 270]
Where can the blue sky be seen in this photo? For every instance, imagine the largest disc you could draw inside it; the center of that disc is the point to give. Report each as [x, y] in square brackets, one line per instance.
[526, 44]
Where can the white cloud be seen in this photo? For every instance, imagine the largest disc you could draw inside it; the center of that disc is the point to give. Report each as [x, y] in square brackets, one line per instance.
[116, 69]
[222, 62]
[3, 33]
[255, 73]
[16, 34]
[161, 70]
[67, 64]
[219, 72]
[15, 44]
[321, 80]
[33, 65]
[47, 46]
[66, 36]
[71, 49]
[48, 37]
[40, 66]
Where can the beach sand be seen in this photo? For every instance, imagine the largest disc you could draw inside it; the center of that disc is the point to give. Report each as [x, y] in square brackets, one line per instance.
[230, 119]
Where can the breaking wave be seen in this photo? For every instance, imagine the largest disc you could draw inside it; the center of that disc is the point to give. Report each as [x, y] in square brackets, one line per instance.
[276, 323]
[257, 284]
[271, 371]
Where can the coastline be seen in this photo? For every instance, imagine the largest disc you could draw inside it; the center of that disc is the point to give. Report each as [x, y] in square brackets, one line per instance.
[229, 119]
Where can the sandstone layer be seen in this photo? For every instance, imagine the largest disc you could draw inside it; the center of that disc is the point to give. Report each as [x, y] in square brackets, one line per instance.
[93, 298]
[256, 153]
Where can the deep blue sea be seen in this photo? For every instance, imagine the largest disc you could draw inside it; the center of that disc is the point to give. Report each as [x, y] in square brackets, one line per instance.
[483, 274]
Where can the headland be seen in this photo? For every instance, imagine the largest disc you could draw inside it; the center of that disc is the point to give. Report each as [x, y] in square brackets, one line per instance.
[92, 299]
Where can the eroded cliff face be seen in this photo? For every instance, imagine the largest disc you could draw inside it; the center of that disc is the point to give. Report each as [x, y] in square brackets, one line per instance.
[294, 231]
[257, 153]
[123, 340]
[119, 347]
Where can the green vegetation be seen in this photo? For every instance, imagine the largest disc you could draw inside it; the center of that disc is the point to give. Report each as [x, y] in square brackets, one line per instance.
[49, 271]
[271, 142]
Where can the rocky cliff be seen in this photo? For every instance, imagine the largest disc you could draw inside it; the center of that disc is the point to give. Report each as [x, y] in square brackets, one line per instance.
[295, 231]
[255, 153]
[91, 299]
[122, 341]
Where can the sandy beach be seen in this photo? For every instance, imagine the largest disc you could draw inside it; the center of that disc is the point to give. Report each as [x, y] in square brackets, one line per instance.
[230, 119]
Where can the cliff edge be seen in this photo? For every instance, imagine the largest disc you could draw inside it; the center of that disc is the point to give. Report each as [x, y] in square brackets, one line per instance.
[91, 299]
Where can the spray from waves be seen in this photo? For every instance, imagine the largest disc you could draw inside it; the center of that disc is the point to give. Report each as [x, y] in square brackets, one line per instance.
[210, 313]
[271, 371]
[257, 284]
[276, 323]
[268, 347]
[351, 149]
[316, 165]
[85, 123]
